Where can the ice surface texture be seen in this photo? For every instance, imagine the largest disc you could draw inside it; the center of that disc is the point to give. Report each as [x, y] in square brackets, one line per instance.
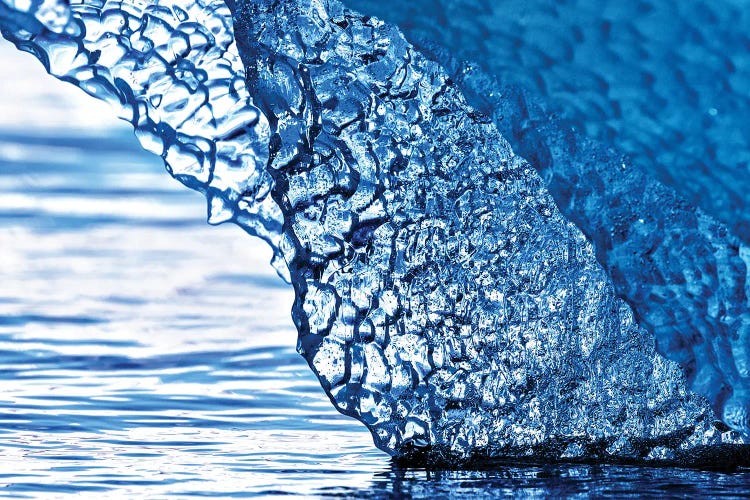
[665, 81]
[441, 297]
[170, 68]
[685, 275]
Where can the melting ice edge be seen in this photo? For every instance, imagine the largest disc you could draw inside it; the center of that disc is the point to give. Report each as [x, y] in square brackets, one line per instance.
[441, 297]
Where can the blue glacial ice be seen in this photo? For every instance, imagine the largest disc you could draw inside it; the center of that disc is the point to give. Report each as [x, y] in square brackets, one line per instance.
[665, 81]
[684, 273]
[441, 297]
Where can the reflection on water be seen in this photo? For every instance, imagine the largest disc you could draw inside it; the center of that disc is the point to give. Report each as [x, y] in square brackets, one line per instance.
[561, 481]
[144, 353]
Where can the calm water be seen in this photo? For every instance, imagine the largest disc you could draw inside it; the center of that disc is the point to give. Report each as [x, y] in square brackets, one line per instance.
[146, 354]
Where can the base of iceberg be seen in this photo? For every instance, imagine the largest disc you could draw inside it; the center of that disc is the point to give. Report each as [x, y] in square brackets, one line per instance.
[722, 457]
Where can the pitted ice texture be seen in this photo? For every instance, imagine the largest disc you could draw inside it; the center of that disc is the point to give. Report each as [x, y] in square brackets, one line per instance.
[441, 297]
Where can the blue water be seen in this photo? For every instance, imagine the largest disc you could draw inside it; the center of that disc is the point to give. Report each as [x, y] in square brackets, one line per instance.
[146, 354]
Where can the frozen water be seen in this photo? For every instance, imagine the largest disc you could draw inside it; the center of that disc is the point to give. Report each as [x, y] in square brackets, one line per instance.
[441, 298]
[666, 82]
[684, 273]
[171, 69]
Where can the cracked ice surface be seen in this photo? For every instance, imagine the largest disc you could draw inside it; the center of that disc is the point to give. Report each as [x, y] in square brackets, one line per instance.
[684, 274]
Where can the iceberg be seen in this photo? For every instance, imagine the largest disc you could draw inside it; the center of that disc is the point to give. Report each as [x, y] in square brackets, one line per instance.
[441, 297]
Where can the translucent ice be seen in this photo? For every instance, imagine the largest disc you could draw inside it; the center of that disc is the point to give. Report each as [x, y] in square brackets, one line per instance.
[441, 298]
[685, 274]
[667, 82]
[172, 70]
